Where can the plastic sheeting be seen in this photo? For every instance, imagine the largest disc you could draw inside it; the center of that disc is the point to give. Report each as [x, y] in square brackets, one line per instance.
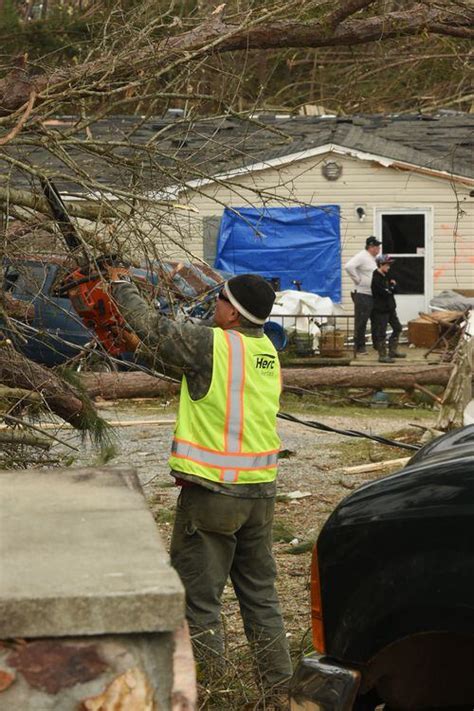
[284, 243]
[291, 306]
[451, 301]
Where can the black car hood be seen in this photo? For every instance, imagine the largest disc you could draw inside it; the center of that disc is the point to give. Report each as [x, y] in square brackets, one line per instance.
[436, 481]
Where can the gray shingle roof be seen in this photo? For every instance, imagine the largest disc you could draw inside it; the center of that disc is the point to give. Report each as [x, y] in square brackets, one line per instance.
[183, 150]
[443, 143]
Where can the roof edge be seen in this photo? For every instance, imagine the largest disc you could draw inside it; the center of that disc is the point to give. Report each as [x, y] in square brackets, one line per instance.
[336, 148]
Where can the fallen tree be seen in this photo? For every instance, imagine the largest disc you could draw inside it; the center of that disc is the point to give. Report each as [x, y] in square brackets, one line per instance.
[338, 24]
[16, 371]
[120, 386]
[116, 386]
[405, 377]
[144, 62]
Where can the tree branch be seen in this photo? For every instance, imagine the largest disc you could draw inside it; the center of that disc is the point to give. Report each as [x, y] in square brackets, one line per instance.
[345, 10]
[214, 36]
[441, 28]
[18, 371]
[290, 33]
[84, 210]
[16, 129]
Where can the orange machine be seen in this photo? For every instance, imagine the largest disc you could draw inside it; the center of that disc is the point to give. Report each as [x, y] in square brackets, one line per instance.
[86, 287]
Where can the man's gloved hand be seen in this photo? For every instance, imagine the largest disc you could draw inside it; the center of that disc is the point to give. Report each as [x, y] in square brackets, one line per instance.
[113, 269]
[131, 340]
[115, 273]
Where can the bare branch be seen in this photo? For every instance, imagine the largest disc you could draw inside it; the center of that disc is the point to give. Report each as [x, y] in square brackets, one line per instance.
[215, 36]
[81, 209]
[16, 130]
[441, 28]
[345, 10]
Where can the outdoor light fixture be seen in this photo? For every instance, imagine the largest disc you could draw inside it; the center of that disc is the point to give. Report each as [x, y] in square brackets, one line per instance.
[332, 170]
[361, 213]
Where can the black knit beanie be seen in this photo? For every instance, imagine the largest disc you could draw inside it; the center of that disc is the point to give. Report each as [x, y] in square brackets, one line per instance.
[252, 296]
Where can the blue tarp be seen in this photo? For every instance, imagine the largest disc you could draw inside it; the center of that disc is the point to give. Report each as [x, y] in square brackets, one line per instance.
[290, 243]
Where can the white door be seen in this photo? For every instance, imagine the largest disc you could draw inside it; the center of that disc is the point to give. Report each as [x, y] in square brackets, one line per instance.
[406, 236]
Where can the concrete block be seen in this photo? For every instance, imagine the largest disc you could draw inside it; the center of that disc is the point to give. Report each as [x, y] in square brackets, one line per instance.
[81, 555]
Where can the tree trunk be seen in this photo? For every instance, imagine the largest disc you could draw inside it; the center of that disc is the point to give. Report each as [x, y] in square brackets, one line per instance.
[405, 377]
[16, 371]
[214, 35]
[116, 386]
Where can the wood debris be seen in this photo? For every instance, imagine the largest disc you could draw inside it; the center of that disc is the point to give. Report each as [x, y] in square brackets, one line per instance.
[377, 466]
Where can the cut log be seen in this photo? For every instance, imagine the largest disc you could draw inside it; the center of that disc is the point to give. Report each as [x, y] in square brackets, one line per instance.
[116, 386]
[16, 371]
[48, 426]
[405, 377]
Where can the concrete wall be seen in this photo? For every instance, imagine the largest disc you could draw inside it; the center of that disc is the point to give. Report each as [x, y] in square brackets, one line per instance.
[362, 183]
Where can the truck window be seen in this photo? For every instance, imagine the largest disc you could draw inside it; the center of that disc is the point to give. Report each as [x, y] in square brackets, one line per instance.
[25, 279]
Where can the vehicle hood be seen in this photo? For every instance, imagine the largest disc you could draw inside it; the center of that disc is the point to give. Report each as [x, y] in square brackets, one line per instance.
[438, 482]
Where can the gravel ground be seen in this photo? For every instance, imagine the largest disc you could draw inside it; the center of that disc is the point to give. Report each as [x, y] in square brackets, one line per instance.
[313, 466]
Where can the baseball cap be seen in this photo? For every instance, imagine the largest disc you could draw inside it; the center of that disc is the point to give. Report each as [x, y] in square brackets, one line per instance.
[372, 242]
[384, 259]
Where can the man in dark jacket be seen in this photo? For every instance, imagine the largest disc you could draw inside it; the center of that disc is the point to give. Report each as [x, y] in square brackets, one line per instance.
[385, 311]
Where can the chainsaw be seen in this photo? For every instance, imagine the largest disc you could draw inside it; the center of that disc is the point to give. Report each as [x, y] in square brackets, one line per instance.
[85, 285]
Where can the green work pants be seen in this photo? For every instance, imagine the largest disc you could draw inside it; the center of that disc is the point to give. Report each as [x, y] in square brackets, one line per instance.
[216, 536]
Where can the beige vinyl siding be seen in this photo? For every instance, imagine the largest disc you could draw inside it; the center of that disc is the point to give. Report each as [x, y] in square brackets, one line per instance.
[363, 183]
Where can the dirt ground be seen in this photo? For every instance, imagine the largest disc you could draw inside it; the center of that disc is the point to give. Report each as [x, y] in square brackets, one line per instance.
[312, 464]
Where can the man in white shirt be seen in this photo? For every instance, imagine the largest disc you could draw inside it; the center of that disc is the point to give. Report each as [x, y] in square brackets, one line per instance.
[360, 269]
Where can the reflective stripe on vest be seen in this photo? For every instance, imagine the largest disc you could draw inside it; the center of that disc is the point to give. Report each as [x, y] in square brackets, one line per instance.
[235, 407]
[224, 460]
[235, 393]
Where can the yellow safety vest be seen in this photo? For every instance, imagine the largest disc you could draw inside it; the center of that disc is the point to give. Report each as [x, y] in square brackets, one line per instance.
[229, 435]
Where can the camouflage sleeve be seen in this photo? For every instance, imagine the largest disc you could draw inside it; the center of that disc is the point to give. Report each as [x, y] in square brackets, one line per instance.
[185, 348]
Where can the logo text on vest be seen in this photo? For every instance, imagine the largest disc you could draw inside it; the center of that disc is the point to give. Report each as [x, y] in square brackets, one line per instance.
[264, 361]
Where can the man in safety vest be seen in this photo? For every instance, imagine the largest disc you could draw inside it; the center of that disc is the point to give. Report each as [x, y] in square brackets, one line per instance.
[224, 456]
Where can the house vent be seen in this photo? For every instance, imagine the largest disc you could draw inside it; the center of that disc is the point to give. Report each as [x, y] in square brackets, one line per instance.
[332, 170]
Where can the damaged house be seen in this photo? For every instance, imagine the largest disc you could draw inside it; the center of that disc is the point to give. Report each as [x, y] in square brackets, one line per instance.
[294, 197]
[409, 180]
